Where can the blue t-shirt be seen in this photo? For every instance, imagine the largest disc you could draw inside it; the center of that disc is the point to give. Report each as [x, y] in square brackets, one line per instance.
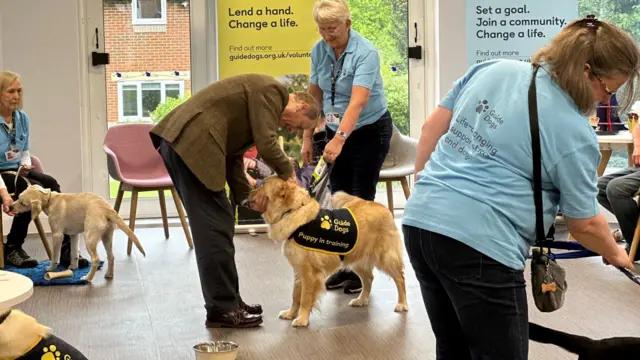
[360, 66]
[477, 186]
[13, 139]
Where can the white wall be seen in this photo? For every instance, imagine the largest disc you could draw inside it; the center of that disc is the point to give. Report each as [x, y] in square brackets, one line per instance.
[451, 43]
[451, 47]
[40, 40]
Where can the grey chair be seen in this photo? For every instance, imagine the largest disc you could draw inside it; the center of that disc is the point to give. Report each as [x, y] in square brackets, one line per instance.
[398, 164]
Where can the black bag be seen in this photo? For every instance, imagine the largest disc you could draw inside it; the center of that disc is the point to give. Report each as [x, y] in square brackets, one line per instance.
[548, 279]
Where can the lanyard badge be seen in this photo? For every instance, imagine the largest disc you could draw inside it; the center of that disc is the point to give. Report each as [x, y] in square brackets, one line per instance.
[12, 135]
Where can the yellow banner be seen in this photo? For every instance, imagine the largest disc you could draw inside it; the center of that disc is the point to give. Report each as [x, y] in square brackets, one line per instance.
[272, 37]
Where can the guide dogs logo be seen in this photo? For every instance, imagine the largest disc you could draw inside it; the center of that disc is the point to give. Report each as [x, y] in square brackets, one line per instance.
[331, 232]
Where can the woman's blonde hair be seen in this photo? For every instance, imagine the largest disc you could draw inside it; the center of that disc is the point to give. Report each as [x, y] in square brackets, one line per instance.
[6, 79]
[607, 49]
[328, 11]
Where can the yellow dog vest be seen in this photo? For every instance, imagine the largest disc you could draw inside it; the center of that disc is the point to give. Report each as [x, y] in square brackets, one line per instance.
[333, 232]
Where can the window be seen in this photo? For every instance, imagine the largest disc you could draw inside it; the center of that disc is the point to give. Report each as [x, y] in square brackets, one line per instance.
[624, 13]
[137, 99]
[149, 12]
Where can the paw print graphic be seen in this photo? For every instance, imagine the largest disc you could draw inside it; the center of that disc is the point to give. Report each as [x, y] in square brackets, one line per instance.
[325, 224]
[51, 353]
[483, 106]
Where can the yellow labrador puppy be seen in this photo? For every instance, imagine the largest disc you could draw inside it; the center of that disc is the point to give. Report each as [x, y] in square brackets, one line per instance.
[313, 253]
[72, 214]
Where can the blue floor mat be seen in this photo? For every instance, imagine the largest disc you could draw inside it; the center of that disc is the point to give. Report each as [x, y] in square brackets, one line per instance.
[36, 274]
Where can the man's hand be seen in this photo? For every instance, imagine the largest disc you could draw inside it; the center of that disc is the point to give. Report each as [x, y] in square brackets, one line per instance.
[293, 179]
[333, 149]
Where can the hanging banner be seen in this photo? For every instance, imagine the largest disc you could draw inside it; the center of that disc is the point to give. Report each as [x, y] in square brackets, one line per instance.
[507, 29]
[269, 37]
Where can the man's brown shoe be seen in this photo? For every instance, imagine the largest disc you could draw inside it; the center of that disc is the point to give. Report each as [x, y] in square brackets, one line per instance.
[237, 318]
[253, 309]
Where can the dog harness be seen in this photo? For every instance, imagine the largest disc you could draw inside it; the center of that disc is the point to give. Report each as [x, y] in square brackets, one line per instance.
[333, 232]
[51, 347]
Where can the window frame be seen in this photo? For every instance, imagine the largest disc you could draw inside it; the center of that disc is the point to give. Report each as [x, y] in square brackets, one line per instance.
[136, 21]
[138, 84]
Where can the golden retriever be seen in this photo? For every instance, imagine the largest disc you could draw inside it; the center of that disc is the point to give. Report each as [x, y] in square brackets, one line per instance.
[72, 214]
[290, 206]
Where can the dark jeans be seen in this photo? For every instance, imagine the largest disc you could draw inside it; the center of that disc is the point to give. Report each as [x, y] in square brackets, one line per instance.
[357, 168]
[615, 193]
[20, 224]
[212, 224]
[477, 307]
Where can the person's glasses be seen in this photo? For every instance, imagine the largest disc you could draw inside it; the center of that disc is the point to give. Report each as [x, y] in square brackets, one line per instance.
[604, 86]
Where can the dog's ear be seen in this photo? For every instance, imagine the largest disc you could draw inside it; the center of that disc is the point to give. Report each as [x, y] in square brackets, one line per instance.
[36, 208]
[43, 190]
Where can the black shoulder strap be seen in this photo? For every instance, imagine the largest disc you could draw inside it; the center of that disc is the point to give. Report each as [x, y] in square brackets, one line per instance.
[537, 159]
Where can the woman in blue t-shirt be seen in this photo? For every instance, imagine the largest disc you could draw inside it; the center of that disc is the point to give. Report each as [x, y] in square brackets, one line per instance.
[470, 220]
[14, 155]
[346, 79]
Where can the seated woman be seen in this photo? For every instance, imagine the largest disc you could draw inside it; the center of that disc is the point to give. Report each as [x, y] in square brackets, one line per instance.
[14, 145]
[616, 192]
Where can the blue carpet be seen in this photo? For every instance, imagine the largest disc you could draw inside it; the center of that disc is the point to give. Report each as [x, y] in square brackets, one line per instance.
[36, 274]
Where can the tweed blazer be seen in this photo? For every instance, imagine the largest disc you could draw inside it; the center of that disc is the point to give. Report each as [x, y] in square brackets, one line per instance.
[212, 130]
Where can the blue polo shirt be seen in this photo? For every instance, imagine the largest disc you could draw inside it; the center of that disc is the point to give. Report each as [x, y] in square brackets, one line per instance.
[477, 187]
[19, 137]
[360, 66]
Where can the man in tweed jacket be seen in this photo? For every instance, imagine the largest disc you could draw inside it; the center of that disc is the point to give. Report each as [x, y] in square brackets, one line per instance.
[202, 143]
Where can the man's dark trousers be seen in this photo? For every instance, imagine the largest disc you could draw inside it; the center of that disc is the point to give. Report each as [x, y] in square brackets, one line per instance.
[212, 225]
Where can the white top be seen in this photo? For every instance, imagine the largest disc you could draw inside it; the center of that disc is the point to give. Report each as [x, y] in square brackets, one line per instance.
[623, 137]
[14, 289]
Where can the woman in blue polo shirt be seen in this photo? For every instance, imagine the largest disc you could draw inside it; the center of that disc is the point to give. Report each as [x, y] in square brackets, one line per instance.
[470, 221]
[346, 79]
[14, 154]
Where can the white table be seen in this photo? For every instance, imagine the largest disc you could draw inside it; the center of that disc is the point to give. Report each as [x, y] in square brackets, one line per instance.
[608, 143]
[14, 289]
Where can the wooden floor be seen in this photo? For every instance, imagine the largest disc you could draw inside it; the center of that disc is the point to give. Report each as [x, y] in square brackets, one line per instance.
[153, 308]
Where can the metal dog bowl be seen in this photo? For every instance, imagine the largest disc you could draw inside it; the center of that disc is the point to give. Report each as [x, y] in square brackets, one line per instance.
[216, 350]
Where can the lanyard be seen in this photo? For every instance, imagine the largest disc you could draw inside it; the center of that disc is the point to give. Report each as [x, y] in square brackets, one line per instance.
[12, 134]
[334, 79]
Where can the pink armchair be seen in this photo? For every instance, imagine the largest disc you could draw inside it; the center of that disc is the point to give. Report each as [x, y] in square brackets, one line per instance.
[138, 167]
[37, 166]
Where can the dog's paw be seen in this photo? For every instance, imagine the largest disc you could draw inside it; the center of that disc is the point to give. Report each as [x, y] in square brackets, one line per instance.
[402, 308]
[299, 322]
[359, 302]
[85, 278]
[52, 267]
[286, 314]
[108, 276]
[73, 266]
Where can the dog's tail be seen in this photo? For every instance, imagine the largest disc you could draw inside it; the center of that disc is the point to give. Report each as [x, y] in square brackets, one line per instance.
[116, 219]
[340, 198]
[573, 343]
